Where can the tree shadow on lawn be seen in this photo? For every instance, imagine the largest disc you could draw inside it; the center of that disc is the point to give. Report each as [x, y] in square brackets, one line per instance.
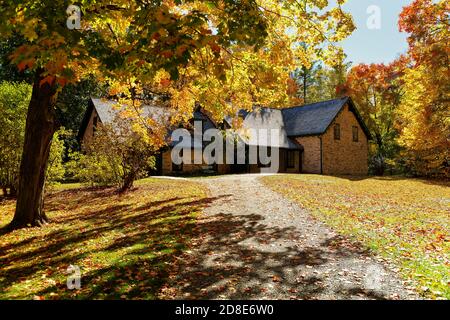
[136, 252]
[123, 249]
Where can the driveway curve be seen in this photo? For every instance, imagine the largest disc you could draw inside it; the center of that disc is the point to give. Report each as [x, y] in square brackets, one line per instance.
[252, 243]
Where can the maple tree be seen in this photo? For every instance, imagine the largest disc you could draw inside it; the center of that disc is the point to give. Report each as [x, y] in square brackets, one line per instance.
[377, 90]
[223, 54]
[424, 111]
[406, 103]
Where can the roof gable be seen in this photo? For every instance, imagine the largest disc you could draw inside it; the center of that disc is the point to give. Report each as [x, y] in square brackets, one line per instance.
[312, 119]
[107, 110]
[305, 120]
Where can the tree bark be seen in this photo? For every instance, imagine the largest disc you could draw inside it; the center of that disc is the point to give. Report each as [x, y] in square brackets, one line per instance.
[39, 130]
[128, 182]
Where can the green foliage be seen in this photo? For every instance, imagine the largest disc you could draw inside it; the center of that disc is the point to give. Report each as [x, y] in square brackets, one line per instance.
[55, 167]
[14, 98]
[319, 82]
[308, 80]
[94, 168]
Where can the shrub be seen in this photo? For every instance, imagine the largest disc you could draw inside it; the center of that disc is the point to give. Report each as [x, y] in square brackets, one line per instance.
[117, 155]
[55, 166]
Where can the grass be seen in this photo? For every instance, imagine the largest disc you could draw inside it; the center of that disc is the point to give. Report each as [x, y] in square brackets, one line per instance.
[407, 221]
[123, 244]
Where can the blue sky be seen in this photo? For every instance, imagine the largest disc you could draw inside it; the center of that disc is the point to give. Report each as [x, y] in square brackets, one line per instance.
[375, 45]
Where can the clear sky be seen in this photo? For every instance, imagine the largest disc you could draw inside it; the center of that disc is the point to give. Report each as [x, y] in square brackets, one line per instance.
[372, 45]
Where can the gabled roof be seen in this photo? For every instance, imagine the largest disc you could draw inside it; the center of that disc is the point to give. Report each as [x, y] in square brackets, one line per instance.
[298, 121]
[311, 119]
[107, 110]
[315, 118]
[306, 120]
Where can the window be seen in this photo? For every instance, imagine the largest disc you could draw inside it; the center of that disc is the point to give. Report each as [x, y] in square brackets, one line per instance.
[290, 159]
[337, 132]
[178, 167]
[355, 133]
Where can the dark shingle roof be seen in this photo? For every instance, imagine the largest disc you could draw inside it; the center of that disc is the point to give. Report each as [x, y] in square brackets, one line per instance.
[311, 119]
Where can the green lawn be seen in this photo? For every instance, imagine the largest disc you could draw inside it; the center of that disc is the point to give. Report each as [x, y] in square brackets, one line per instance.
[404, 220]
[123, 244]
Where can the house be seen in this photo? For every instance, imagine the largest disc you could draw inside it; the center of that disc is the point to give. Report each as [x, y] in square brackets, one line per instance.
[327, 137]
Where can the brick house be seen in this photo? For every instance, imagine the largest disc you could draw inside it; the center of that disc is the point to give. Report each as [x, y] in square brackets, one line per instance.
[327, 137]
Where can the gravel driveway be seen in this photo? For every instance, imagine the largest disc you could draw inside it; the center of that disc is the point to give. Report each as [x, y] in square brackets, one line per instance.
[254, 244]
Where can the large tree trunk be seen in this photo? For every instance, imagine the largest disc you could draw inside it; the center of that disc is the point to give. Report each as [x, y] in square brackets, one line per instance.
[39, 130]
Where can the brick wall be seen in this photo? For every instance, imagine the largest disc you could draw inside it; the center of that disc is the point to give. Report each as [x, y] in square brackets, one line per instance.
[166, 166]
[311, 154]
[344, 156]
